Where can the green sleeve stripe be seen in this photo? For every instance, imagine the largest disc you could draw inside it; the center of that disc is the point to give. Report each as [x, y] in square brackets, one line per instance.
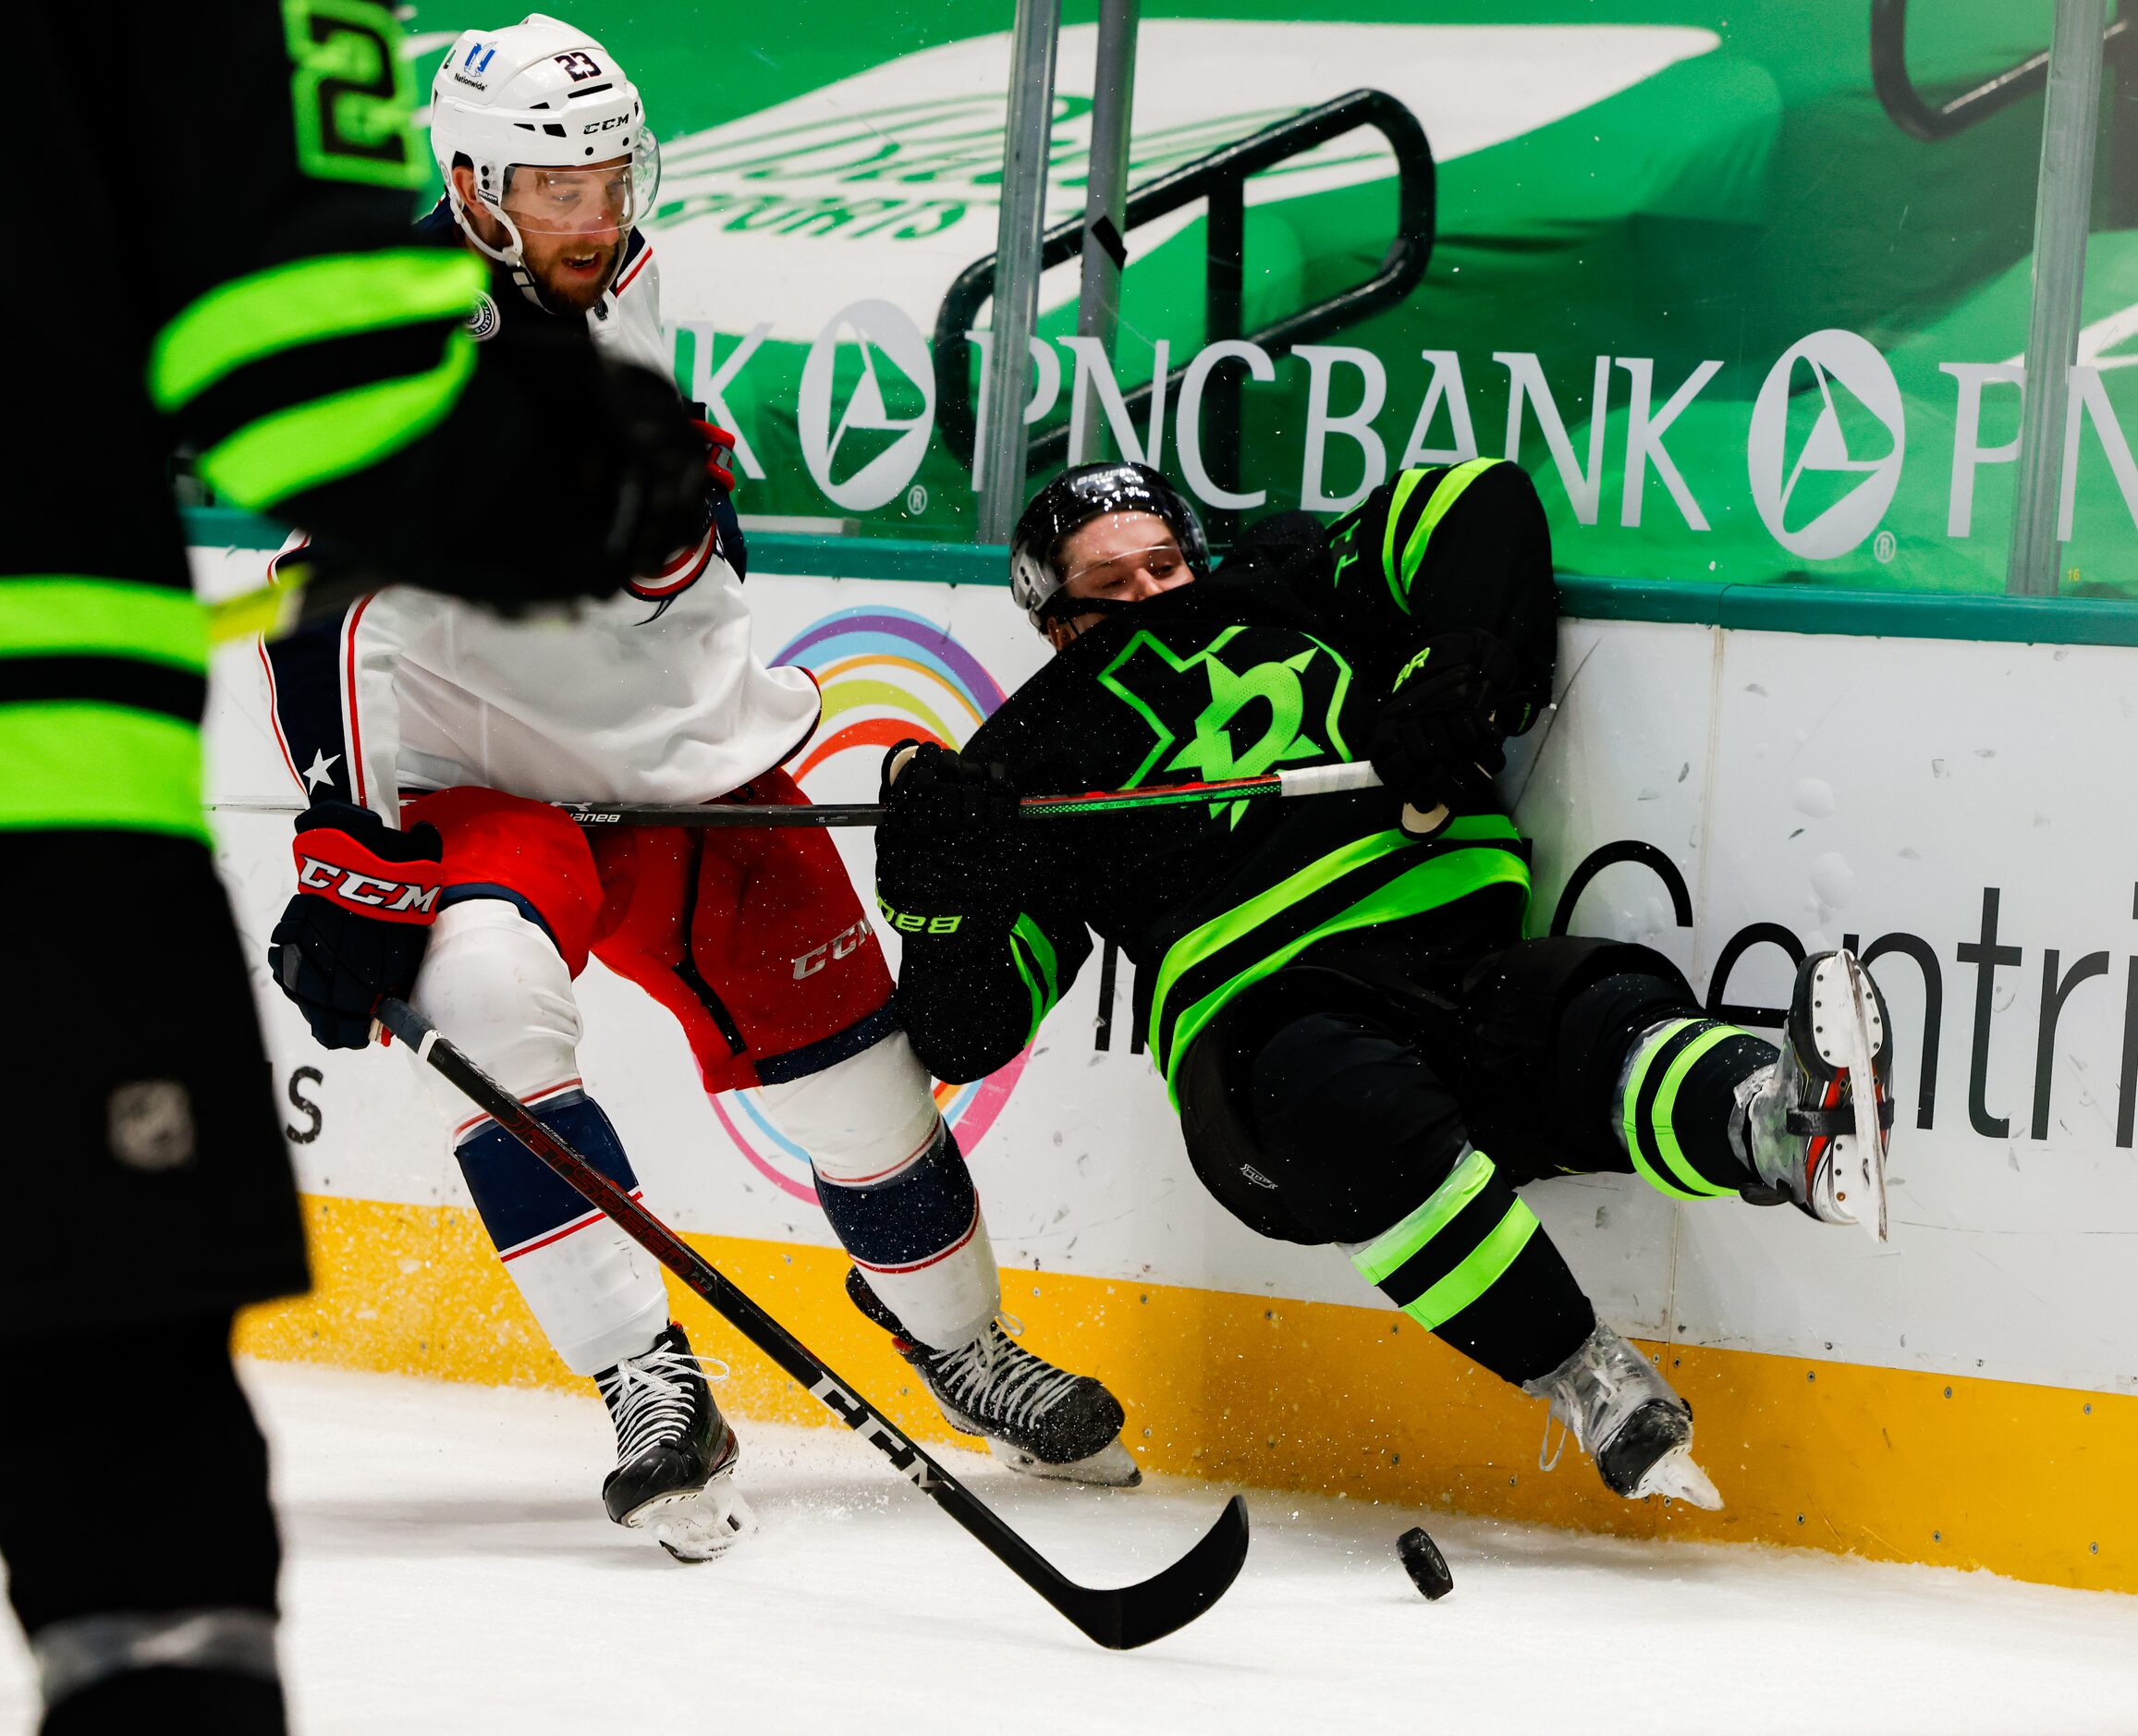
[1445, 495]
[1388, 1251]
[268, 460]
[58, 615]
[1041, 949]
[75, 763]
[1031, 987]
[1028, 940]
[1406, 485]
[1485, 1268]
[304, 302]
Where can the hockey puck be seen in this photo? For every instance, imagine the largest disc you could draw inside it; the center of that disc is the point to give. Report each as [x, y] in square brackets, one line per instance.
[1424, 1562]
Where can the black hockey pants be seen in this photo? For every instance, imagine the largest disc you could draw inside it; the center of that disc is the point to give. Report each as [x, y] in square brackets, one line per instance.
[141, 1551]
[1399, 1119]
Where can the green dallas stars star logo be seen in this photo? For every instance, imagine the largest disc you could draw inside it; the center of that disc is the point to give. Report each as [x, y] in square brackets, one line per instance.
[1233, 712]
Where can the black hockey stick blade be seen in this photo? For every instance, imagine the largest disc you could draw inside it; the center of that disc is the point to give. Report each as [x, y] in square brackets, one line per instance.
[1135, 1615]
[1121, 1618]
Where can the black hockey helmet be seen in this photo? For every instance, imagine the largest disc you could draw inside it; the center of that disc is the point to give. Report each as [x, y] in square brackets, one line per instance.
[1073, 499]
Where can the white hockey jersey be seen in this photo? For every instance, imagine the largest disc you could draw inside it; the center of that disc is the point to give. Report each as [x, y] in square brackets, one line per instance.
[653, 695]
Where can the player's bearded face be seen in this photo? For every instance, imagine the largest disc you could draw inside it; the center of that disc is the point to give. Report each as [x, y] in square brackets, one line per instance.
[573, 224]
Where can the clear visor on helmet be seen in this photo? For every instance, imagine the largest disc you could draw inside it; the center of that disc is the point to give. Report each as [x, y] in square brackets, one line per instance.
[1112, 549]
[601, 201]
[646, 170]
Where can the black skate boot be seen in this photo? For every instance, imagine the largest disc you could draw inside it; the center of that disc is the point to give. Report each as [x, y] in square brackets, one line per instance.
[675, 1452]
[1625, 1415]
[1817, 1136]
[1037, 1418]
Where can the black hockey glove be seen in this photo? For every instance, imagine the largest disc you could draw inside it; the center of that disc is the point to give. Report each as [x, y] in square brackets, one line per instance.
[366, 898]
[951, 855]
[670, 468]
[1437, 739]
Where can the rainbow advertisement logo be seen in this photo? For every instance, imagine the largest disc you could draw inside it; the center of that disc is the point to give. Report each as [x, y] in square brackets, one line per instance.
[885, 675]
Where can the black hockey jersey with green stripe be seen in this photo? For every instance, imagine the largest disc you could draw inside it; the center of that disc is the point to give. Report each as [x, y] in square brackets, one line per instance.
[1280, 660]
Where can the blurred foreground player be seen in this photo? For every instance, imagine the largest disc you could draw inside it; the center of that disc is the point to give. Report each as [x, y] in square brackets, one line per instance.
[1363, 1049]
[267, 305]
[430, 740]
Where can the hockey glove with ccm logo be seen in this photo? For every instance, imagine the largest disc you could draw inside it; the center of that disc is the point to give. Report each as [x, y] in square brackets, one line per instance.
[1437, 739]
[355, 932]
[949, 851]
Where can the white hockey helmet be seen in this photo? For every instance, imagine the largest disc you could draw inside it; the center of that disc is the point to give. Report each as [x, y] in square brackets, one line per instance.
[538, 94]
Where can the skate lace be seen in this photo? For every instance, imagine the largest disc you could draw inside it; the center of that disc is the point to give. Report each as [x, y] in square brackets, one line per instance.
[650, 1398]
[1545, 1445]
[1000, 1380]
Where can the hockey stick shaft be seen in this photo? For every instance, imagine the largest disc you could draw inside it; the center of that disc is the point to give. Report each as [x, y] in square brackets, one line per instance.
[1313, 780]
[1133, 1616]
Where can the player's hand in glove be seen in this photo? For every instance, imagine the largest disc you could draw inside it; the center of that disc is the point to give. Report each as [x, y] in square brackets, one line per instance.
[951, 852]
[669, 470]
[1437, 739]
[355, 932]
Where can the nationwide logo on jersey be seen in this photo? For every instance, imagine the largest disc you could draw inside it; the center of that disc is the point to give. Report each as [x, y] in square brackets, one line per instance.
[1225, 711]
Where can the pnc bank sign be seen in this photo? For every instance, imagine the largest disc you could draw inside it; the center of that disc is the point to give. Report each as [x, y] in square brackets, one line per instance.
[1822, 450]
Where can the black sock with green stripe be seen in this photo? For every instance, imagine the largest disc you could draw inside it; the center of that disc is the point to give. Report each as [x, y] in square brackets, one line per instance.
[1474, 1266]
[1677, 1106]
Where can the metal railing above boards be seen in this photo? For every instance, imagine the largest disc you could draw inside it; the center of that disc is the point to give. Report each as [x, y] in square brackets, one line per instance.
[1919, 117]
[1220, 179]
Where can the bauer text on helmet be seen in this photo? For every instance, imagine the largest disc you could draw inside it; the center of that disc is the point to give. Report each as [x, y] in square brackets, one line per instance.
[546, 156]
[1099, 537]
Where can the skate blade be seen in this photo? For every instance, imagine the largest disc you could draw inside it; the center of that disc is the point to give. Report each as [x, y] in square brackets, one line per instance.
[1866, 1157]
[1850, 1185]
[697, 1524]
[1677, 1478]
[1110, 1468]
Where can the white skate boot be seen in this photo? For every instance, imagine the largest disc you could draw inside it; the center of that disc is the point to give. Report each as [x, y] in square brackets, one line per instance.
[1820, 1118]
[1624, 1415]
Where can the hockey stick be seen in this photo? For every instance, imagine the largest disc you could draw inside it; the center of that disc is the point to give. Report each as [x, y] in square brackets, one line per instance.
[1312, 780]
[1120, 1620]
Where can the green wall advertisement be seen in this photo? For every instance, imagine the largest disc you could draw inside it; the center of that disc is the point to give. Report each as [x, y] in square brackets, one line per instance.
[1736, 323]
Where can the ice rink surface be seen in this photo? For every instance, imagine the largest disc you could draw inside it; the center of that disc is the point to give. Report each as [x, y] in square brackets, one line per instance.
[450, 1570]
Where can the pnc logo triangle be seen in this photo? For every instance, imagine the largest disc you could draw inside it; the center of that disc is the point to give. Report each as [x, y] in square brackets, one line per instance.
[861, 452]
[1857, 397]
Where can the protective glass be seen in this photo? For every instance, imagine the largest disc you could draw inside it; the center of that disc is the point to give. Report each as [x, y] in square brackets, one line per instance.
[591, 202]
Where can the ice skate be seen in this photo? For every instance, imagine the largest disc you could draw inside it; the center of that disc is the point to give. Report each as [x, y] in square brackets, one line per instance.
[1037, 1418]
[1816, 1139]
[1623, 1414]
[675, 1453]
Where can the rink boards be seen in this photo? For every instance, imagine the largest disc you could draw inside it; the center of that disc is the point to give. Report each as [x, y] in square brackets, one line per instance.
[1966, 1394]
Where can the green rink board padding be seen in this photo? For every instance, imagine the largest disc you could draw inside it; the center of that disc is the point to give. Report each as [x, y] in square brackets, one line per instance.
[1699, 191]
